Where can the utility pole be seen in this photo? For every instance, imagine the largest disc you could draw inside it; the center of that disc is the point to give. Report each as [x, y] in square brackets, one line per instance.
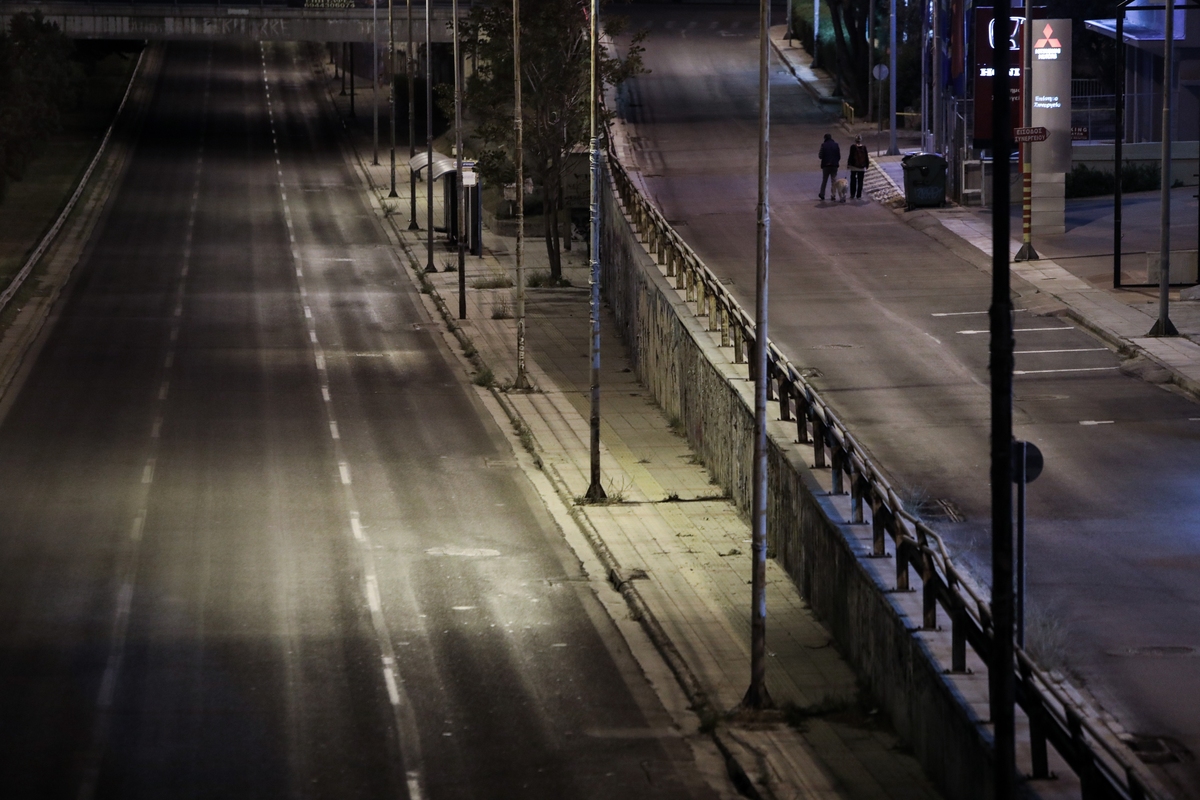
[757, 696]
[1001, 680]
[521, 381]
[460, 217]
[871, 59]
[816, 30]
[429, 267]
[893, 149]
[392, 89]
[375, 80]
[789, 34]
[1163, 326]
[935, 71]
[1027, 253]
[410, 66]
[595, 490]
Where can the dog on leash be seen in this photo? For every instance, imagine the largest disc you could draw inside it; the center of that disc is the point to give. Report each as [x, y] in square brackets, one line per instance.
[840, 190]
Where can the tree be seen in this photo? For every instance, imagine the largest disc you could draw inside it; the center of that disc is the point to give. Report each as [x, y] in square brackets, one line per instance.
[38, 84]
[850, 23]
[555, 72]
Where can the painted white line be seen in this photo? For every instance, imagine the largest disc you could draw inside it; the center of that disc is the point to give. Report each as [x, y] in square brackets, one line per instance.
[1023, 330]
[356, 527]
[135, 533]
[344, 471]
[1048, 371]
[393, 696]
[308, 311]
[179, 310]
[325, 393]
[320, 362]
[414, 785]
[333, 430]
[162, 390]
[312, 335]
[156, 428]
[1068, 350]
[373, 595]
[300, 274]
[174, 332]
[1096, 422]
[148, 472]
[169, 361]
[462, 608]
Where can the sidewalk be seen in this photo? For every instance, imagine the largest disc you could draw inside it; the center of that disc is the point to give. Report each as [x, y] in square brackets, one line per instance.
[675, 548]
[1078, 284]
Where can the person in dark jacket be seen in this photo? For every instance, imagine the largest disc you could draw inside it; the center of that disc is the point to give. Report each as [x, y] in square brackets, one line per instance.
[858, 160]
[831, 157]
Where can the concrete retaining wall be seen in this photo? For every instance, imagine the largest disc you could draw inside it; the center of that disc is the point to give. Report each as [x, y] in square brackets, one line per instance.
[690, 378]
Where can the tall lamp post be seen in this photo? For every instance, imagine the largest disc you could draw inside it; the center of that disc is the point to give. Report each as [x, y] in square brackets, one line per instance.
[429, 267]
[893, 149]
[1027, 253]
[1163, 325]
[757, 696]
[375, 81]
[521, 381]
[460, 217]
[410, 66]
[595, 490]
[392, 90]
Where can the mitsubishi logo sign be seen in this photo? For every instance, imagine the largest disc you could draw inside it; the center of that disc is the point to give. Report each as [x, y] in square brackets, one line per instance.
[1047, 48]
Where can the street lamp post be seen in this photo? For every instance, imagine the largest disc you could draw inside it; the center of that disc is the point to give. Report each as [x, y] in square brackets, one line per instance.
[893, 149]
[1163, 325]
[392, 90]
[595, 490]
[1027, 253]
[410, 65]
[375, 81]
[521, 381]
[429, 267]
[757, 696]
[460, 217]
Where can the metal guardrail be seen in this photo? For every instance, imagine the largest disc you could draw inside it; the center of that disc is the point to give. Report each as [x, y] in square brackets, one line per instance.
[1106, 767]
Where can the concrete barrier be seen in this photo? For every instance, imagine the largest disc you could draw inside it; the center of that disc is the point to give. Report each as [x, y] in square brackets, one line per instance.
[690, 378]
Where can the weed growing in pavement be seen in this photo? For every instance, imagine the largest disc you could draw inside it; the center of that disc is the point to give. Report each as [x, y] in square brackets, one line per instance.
[676, 425]
[496, 279]
[500, 310]
[1045, 638]
[526, 438]
[483, 378]
[542, 280]
[449, 266]
[469, 350]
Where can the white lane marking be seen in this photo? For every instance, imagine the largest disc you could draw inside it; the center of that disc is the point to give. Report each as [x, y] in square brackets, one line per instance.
[300, 274]
[1023, 330]
[462, 608]
[1067, 350]
[373, 599]
[174, 332]
[135, 533]
[162, 390]
[414, 786]
[1048, 371]
[148, 472]
[393, 695]
[169, 360]
[325, 393]
[320, 362]
[356, 527]
[156, 428]
[179, 310]
[1096, 422]
[285, 200]
[333, 430]
[307, 312]
[344, 471]
[312, 336]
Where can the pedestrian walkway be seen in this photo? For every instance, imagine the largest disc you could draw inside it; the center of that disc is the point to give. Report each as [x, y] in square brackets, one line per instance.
[670, 536]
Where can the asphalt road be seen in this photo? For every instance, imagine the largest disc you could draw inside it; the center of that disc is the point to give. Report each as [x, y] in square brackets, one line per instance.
[260, 539]
[894, 324]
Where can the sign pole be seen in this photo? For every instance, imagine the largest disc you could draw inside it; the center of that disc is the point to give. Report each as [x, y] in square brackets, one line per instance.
[1027, 253]
[1163, 326]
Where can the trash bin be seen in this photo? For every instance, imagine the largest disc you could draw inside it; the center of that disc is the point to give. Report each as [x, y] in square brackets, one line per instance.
[924, 180]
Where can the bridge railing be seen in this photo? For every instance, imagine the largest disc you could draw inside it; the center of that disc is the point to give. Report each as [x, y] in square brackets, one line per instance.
[1106, 767]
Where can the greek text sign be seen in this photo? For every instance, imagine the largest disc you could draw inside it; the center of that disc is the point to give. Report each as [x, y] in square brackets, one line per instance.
[1051, 84]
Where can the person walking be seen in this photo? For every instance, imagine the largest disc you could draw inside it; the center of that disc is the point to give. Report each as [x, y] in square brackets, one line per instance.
[858, 160]
[831, 158]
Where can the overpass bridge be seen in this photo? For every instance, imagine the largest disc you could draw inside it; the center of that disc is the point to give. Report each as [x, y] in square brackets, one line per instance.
[292, 21]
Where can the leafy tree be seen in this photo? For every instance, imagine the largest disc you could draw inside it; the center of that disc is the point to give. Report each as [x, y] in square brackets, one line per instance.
[38, 84]
[555, 92]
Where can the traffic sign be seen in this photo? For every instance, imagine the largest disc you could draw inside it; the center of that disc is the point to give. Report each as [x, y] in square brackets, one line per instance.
[880, 72]
[1033, 461]
[1038, 134]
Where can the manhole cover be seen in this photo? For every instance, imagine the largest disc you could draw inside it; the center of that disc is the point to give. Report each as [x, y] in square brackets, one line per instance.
[1156, 651]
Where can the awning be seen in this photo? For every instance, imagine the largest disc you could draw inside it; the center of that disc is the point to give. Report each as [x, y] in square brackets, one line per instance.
[441, 164]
